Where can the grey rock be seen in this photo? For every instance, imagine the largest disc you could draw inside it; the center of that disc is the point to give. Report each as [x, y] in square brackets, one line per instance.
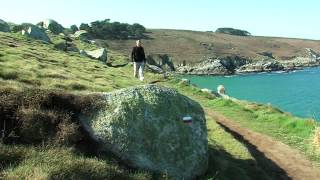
[207, 90]
[313, 55]
[163, 61]
[261, 66]
[155, 69]
[52, 25]
[4, 26]
[83, 53]
[211, 67]
[35, 33]
[144, 127]
[100, 54]
[82, 35]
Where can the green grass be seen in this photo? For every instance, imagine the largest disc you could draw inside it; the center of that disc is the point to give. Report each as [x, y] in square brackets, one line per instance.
[31, 162]
[38, 65]
[293, 131]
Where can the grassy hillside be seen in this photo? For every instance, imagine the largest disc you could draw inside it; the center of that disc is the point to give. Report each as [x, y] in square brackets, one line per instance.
[31, 73]
[193, 46]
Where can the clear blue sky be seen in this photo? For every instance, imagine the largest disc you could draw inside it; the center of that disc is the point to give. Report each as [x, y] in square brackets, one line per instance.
[286, 18]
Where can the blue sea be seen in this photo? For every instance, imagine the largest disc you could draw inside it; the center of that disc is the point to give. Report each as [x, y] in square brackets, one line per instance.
[296, 92]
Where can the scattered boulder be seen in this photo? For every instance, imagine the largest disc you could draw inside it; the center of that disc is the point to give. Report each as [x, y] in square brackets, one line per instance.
[52, 26]
[154, 128]
[155, 69]
[100, 54]
[82, 35]
[163, 61]
[36, 33]
[4, 26]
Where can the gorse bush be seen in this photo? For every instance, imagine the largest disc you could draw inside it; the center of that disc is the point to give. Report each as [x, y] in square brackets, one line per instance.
[233, 31]
[114, 30]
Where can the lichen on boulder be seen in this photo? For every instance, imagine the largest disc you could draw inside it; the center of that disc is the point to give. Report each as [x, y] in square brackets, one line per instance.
[144, 126]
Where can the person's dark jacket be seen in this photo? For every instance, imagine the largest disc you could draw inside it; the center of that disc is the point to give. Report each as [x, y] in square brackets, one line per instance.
[138, 55]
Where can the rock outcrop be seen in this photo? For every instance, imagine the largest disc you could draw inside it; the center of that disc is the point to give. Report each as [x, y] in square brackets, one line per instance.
[51, 25]
[4, 26]
[82, 35]
[261, 66]
[35, 32]
[313, 56]
[100, 54]
[209, 67]
[265, 63]
[163, 61]
[153, 128]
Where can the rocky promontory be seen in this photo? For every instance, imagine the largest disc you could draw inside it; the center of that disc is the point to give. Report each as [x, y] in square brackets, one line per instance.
[237, 65]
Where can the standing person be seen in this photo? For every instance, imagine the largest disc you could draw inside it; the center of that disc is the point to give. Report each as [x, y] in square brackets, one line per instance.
[139, 59]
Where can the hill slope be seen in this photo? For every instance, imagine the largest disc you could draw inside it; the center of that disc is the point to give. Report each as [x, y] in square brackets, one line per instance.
[193, 46]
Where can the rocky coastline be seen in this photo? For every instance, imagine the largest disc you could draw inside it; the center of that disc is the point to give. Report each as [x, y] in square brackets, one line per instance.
[238, 65]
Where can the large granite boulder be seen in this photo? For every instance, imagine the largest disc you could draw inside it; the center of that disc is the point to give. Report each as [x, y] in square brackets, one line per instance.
[36, 33]
[100, 54]
[4, 26]
[52, 26]
[153, 128]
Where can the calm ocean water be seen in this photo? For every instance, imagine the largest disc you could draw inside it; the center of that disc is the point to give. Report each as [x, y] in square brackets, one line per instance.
[297, 92]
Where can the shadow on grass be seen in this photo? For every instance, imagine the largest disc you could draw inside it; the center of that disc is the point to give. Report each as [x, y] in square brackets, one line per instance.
[9, 159]
[116, 66]
[267, 165]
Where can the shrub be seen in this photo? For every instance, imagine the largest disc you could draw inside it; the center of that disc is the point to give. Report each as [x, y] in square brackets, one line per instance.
[233, 31]
[114, 30]
[74, 28]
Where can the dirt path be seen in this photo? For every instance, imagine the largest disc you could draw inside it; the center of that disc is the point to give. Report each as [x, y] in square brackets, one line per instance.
[279, 160]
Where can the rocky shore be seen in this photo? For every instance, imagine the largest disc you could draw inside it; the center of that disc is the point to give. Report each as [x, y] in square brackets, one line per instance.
[238, 65]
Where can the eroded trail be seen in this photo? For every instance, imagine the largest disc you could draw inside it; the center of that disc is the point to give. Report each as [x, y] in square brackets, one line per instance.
[277, 159]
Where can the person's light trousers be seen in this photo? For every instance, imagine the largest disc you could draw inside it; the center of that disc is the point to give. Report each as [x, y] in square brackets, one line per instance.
[138, 68]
